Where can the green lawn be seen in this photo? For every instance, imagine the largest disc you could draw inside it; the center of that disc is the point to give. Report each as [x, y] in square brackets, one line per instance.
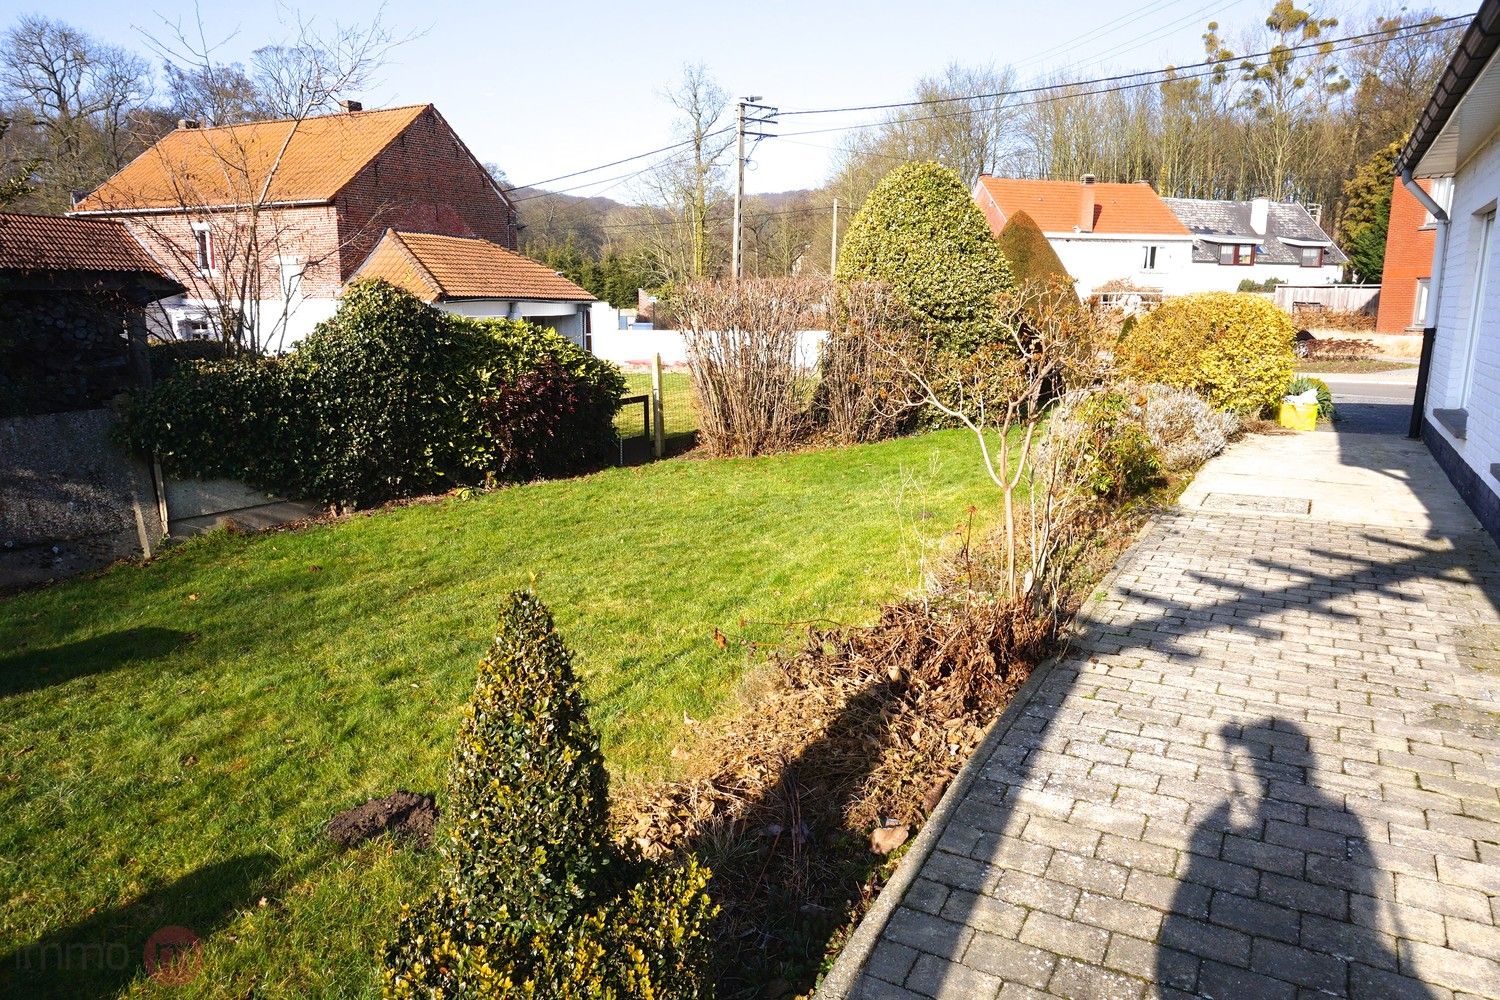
[173, 738]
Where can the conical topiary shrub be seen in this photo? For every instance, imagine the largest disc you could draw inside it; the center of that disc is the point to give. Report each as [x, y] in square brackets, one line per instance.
[536, 899]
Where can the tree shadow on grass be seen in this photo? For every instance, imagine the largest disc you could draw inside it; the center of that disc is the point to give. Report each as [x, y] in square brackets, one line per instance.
[101, 954]
[34, 669]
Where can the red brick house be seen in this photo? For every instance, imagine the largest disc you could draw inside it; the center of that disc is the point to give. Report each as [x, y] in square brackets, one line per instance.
[1411, 238]
[264, 222]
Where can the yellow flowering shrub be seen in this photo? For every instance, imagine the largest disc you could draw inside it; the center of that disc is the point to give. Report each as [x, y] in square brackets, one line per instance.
[1235, 350]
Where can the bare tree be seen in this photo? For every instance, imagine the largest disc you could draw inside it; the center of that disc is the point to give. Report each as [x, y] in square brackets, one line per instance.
[260, 253]
[690, 185]
[75, 95]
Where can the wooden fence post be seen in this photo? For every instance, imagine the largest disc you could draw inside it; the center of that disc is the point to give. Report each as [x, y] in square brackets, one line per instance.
[658, 435]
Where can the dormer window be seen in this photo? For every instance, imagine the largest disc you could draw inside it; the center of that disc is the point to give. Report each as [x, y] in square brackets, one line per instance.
[1311, 257]
[1237, 253]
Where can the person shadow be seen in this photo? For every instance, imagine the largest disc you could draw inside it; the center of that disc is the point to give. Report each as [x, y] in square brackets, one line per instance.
[1282, 895]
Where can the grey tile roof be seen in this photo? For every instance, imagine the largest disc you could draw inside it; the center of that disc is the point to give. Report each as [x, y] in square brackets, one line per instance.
[1232, 218]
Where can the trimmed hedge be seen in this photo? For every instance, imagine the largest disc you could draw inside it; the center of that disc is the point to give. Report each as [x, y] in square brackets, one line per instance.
[1029, 253]
[388, 398]
[921, 234]
[536, 900]
[1233, 349]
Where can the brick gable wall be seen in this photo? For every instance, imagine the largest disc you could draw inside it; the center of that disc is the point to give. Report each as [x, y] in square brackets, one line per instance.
[425, 181]
[1408, 257]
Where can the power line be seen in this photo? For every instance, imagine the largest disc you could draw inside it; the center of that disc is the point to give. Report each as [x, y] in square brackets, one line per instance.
[628, 159]
[1369, 37]
[1068, 91]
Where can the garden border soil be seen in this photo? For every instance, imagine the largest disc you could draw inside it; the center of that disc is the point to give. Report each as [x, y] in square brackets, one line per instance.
[844, 974]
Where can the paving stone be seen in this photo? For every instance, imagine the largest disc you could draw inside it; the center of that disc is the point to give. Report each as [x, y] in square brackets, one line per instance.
[1081, 981]
[1011, 961]
[1064, 937]
[1245, 782]
[932, 976]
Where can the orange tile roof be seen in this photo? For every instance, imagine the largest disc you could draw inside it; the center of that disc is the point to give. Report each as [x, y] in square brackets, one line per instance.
[307, 160]
[1118, 208]
[435, 267]
[50, 243]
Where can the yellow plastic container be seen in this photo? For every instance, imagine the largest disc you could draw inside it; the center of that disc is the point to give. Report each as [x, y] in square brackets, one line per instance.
[1299, 416]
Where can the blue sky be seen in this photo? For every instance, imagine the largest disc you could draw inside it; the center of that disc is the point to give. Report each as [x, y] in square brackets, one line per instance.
[547, 88]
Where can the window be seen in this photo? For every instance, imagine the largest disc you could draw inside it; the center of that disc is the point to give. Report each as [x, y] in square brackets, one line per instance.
[1441, 191]
[1476, 306]
[291, 276]
[203, 239]
[1148, 262]
[1312, 257]
[1419, 304]
[1237, 253]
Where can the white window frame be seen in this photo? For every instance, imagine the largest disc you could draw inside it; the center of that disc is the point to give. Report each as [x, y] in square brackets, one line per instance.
[1419, 302]
[203, 247]
[1486, 220]
[1302, 257]
[1439, 190]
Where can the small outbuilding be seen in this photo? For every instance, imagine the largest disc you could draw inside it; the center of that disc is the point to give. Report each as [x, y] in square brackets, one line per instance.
[481, 279]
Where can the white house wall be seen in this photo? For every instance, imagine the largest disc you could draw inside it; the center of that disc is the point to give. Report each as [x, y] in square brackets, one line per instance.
[1097, 260]
[1475, 190]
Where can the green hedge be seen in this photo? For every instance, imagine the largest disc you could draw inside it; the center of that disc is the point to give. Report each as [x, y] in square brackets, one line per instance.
[388, 398]
[1235, 350]
[921, 233]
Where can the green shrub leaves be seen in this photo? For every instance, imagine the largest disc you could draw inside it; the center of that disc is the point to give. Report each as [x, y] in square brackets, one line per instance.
[920, 233]
[1235, 350]
[536, 900]
[389, 398]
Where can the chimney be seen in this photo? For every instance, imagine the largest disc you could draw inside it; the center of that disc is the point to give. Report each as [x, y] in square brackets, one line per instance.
[1260, 208]
[189, 123]
[351, 106]
[1086, 205]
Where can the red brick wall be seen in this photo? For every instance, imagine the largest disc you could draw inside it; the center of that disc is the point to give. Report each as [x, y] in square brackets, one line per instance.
[1408, 256]
[425, 181]
[309, 234]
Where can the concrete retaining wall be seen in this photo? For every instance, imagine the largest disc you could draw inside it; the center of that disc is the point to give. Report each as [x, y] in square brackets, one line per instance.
[70, 498]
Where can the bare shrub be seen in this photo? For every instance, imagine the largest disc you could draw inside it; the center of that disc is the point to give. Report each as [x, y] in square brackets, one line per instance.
[1352, 320]
[1338, 349]
[857, 377]
[742, 352]
[1000, 394]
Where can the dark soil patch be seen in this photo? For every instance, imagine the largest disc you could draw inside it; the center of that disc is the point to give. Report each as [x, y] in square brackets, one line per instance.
[405, 814]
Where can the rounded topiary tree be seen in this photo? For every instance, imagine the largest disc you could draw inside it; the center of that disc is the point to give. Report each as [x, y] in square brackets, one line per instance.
[1235, 350]
[1029, 253]
[920, 233]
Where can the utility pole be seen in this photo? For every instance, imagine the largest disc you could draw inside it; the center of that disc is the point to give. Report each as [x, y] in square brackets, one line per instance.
[741, 119]
[833, 253]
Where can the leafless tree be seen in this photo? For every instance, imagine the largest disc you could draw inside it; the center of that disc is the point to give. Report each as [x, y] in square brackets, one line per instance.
[260, 254]
[689, 184]
[74, 96]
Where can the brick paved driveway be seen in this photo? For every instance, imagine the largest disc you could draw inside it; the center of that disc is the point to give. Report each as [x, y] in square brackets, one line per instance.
[1269, 768]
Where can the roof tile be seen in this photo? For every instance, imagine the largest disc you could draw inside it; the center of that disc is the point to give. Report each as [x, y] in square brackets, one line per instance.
[307, 160]
[50, 243]
[453, 267]
[1118, 208]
